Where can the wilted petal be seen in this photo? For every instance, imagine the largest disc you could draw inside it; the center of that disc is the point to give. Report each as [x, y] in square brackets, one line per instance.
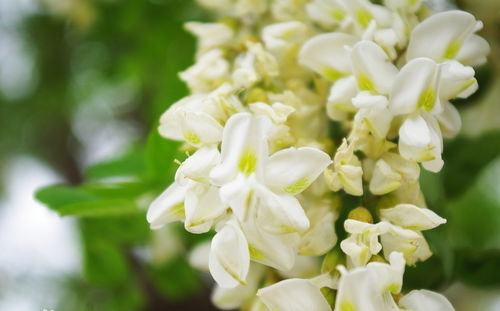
[229, 259]
[292, 170]
[412, 217]
[415, 86]
[425, 300]
[293, 295]
[326, 55]
[168, 207]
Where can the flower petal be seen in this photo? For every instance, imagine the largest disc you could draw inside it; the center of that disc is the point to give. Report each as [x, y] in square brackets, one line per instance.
[202, 206]
[229, 259]
[244, 147]
[425, 300]
[442, 35]
[373, 70]
[416, 86]
[412, 217]
[293, 295]
[415, 132]
[326, 55]
[168, 207]
[292, 170]
[449, 120]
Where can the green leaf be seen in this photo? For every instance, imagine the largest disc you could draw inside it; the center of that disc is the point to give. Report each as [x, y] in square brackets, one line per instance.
[56, 196]
[131, 164]
[465, 157]
[100, 208]
[160, 156]
[475, 216]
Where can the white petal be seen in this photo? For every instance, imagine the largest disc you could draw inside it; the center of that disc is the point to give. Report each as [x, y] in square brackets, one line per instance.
[280, 37]
[436, 163]
[411, 244]
[449, 120]
[168, 207]
[202, 206]
[415, 132]
[321, 236]
[170, 122]
[416, 86]
[210, 35]
[280, 213]
[474, 51]
[384, 178]
[425, 300]
[412, 217]
[239, 195]
[197, 167]
[199, 128]
[371, 66]
[244, 147]
[234, 298]
[292, 170]
[293, 295]
[277, 251]
[326, 54]
[442, 35]
[457, 80]
[378, 120]
[229, 259]
[339, 104]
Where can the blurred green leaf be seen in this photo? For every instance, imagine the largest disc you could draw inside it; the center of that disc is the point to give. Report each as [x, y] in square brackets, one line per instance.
[131, 164]
[160, 155]
[177, 279]
[100, 208]
[57, 196]
[464, 158]
[475, 216]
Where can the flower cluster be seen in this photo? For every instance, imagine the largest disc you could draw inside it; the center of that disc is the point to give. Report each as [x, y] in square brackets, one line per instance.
[298, 108]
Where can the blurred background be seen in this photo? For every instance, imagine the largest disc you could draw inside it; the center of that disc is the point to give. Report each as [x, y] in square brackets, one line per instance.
[82, 85]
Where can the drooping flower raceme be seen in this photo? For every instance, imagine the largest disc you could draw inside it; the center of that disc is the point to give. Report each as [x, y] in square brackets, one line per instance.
[296, 109]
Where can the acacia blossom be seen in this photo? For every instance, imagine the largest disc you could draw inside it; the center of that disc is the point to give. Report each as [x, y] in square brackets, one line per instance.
[296, 108]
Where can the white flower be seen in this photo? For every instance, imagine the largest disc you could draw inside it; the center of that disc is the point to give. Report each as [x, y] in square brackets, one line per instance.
[347, 173]
[362, 242]
[279, 38]
[391, 171]
[328, 13]
[449, 35]
[190, 198]
[249, 178]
